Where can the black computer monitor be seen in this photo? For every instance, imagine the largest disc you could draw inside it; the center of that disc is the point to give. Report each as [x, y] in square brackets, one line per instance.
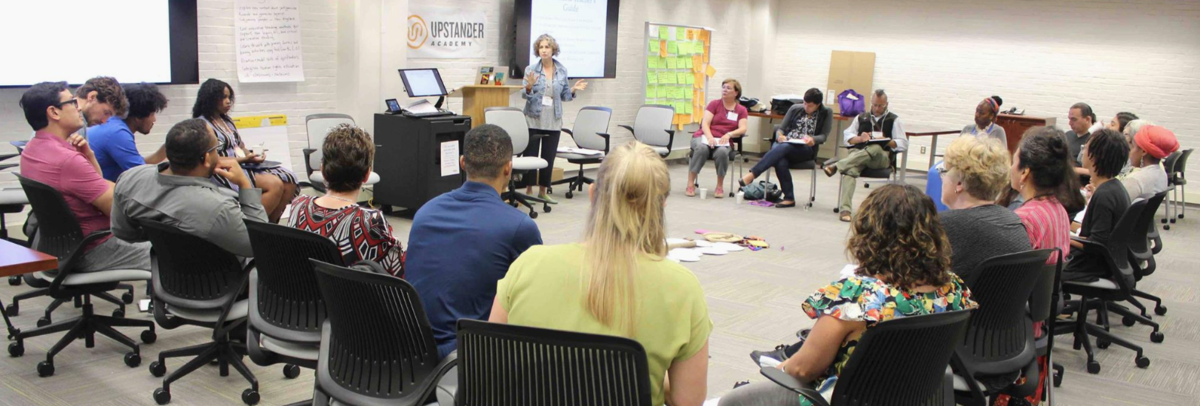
[422, 82]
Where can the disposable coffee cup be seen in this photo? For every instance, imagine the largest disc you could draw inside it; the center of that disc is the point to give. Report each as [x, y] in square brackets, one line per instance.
[741, 197]
[703, 193]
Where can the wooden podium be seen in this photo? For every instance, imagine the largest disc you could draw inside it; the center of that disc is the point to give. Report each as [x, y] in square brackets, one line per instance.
[1015, 126]
[479, 97]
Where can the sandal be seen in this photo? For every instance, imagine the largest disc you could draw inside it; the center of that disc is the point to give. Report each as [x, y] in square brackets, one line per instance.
[690, 191]
[719, 193]
[845, 217]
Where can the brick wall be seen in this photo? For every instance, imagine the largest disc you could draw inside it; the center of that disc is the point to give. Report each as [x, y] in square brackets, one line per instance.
[939, 58]
[317, 94]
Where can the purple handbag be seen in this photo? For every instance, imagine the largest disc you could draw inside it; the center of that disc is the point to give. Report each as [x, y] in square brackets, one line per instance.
[851, 106]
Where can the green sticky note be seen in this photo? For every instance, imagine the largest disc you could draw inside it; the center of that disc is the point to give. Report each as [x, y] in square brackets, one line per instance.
[651, 77]
[649, 101]
[680, 32]
[664, 92]
[672, 47]
[681, 77]
[684, 63]
[679, 107]
[680, 93]
[653, 46]
[685, 48]
[671, 63]
[687, 109]
[690, 79]
[662, 32]
[653, 62]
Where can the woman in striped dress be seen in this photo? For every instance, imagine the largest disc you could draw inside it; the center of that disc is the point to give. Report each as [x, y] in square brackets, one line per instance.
[213, 102]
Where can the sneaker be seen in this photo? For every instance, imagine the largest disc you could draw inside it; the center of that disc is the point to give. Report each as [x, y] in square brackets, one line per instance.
[770, 358]
[547, 198]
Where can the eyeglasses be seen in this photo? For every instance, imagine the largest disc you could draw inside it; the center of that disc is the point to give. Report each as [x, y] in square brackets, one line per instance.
[942, 171]
[73, 100]
[214, 148]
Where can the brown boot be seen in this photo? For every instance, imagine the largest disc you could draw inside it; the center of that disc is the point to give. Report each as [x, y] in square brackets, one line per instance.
[830, 170]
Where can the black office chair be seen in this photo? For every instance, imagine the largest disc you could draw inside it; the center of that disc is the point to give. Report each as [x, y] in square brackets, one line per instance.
[1141, 259]
[1044, 306]
[1178, 180]
[61, 236]
[198, 283]
[1168, 165]
[507, 365]
[999, 338]
[1115, 287]
[922, 344]
[376, 345]
[286, 309]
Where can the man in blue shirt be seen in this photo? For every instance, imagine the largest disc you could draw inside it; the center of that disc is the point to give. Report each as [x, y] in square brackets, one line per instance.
[113, 141]
[462, 242]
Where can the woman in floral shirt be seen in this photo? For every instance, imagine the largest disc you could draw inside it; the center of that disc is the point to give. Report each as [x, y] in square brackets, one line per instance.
[903, 270]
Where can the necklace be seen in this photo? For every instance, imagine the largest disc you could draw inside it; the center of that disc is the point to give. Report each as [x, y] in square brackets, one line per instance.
[351, 201]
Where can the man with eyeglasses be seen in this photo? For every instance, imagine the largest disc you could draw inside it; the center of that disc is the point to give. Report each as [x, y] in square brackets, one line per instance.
[181, 193]
[61, 159]
[874, 133]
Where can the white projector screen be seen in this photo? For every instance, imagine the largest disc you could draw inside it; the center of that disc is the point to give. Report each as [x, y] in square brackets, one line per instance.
[74, 40]
[584, 29]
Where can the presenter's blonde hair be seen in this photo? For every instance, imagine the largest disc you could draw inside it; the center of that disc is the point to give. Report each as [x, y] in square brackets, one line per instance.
[550, 40]
[980, 164]
[626, 223]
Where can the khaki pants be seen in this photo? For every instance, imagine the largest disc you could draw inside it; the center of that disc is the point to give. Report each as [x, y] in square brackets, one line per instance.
[873, 157]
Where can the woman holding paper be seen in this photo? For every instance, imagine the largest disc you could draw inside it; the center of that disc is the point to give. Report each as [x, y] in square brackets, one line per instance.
[724, 120]
[546, 86]
[804, 127]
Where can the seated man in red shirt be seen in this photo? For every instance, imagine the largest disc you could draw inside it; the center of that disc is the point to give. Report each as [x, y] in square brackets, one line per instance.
[58, 157]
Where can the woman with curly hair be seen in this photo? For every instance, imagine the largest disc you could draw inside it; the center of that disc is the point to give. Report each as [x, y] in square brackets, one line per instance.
[213, 102]
[903, 270]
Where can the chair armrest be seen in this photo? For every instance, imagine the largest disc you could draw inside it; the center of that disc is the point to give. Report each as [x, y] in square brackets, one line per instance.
[606, 138]
[535, 137]
[791, 383]
[67, 265]
[670, 139]
[7, 156]
[308, 169]
[232, 298]
[6, 166]
[568, 131]
[628, 128]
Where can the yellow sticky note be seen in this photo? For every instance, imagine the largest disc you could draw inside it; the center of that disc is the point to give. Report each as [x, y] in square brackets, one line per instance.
[710, 71]
[662, 32]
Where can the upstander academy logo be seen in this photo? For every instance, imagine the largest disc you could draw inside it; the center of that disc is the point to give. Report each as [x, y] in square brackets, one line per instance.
[418, 31]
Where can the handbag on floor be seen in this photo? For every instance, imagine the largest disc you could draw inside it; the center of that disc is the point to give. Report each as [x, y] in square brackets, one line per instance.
[762, 190]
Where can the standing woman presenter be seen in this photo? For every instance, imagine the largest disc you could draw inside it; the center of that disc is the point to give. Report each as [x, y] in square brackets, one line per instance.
[546, 88]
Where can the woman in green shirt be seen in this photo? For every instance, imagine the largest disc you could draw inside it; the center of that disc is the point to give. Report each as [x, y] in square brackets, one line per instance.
[618, 281]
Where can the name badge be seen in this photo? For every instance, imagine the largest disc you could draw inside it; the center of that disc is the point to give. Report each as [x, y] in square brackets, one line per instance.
[547, 101]
[877, 134]
[731, 116]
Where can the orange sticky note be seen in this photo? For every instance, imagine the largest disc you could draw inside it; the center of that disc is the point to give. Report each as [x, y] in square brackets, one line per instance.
[697, 63]
[710, 71]
[691, 34]
[704, 36]
[662, 49]
[699, 80]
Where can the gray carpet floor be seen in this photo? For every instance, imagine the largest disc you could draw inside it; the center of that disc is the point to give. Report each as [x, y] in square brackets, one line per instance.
[754, 301]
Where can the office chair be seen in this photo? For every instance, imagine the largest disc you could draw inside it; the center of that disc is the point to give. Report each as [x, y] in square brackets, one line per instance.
[60, 235]
[317, 127]
[509, 365]
[377, 347]
[999, 338]
[591, 134]
[197, 283]
[922, 344]
[1178, 180]
[652, 126]
[1168, 165]
[512, 120]
[286, 309]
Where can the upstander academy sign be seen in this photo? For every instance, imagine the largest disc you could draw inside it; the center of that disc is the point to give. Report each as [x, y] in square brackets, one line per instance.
[438, 32]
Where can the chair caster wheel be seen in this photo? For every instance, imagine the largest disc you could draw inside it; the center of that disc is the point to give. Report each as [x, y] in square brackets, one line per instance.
[162, 396]
[545, 208]
[291, 371]
[1160, 310]
[158, 370]
[836, 210]
[43, 322]
[1102, 344]
[1167, 227]
[532, 214]
[45, 368]
[1142, 362]
[1128, 321]
[12, 310]
[1157, 337]
[250, 396]
[1057, 379]
[570, 194]
[132, 359]
[1172, 221]
[118, 313]
[14, 281]
[1093, 367]
[149, 337]
[127, 298]
[16, 349]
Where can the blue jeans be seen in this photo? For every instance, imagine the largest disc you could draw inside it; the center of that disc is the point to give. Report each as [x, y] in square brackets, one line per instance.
[780, 156]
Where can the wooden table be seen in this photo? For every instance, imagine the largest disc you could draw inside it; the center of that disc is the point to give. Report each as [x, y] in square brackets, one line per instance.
[18, 260]
[932, 147]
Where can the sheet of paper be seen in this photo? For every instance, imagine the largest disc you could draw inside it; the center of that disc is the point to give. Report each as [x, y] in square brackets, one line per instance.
[267, 38]
[450, 158]
[653, 31]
